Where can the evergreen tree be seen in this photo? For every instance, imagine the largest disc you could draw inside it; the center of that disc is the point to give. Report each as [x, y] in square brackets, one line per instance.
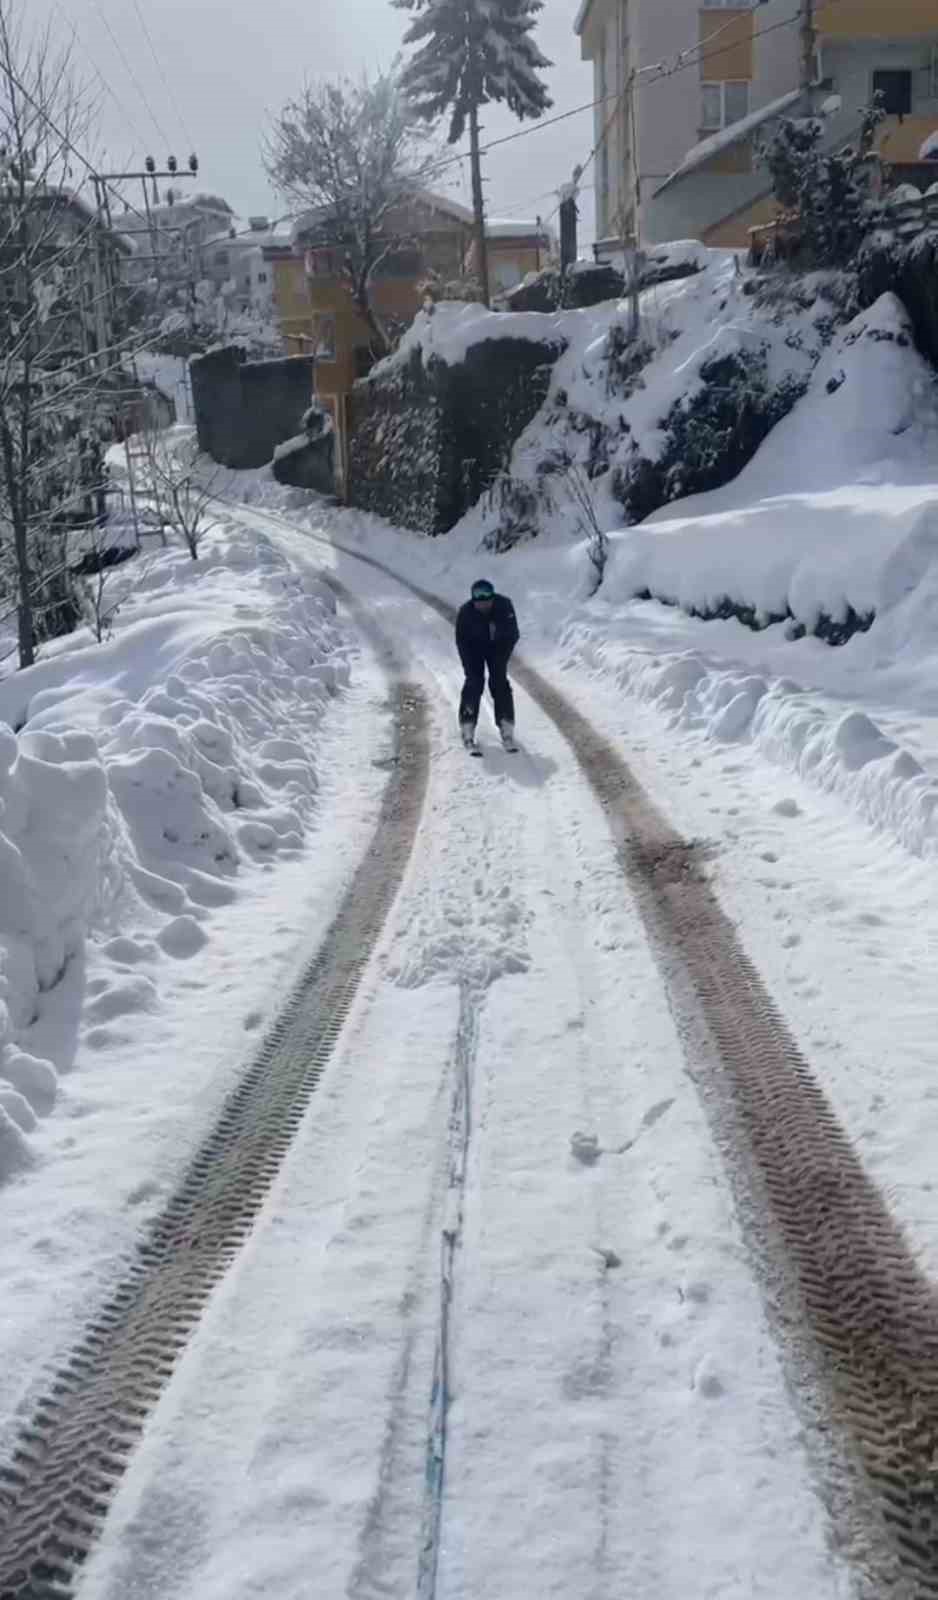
[827, 192]
[470, 53]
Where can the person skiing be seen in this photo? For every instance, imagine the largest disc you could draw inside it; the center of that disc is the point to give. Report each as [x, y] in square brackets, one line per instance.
[486, 633]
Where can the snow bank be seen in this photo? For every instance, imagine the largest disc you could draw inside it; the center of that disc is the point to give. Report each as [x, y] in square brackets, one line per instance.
[144, 778]
[860, 530]
[843, 751]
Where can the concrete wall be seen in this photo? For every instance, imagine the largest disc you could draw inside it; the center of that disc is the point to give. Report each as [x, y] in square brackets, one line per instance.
[244, 409]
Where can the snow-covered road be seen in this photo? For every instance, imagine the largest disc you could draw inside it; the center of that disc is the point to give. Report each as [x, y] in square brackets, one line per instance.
[506, 1180]
[497, 1331]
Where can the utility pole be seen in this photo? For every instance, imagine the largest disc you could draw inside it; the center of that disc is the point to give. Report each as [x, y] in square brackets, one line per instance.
[478, 203]
[808, 53]
[150, 175]
[101, 181]
[568, 220]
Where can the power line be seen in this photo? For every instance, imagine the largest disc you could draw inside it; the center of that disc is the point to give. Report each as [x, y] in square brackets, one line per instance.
[133, 77]
[107, 87]
[167, 85]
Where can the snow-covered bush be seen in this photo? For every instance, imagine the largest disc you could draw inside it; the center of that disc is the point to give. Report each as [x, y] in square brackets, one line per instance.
[709, 435]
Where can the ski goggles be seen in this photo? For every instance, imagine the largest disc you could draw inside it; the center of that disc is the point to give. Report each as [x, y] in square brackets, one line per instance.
[483, 591]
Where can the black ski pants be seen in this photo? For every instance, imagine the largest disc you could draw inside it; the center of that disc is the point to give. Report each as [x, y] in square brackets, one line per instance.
[475, 667]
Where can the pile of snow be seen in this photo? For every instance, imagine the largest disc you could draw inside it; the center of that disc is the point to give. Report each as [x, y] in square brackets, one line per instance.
[449, 330]
[791, 536]
[141, 779]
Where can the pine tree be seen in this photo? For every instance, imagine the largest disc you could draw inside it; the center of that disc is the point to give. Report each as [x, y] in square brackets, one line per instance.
[470, 53]
[827, 192]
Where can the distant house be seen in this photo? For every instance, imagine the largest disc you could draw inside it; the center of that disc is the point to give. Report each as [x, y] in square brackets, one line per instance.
[515, 249]
[677, 149]
[236, 257]
[168, 243]
[314, 305]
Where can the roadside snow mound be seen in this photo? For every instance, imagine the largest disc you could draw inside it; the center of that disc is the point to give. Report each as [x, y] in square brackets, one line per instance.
[144, 776]
[833, 522]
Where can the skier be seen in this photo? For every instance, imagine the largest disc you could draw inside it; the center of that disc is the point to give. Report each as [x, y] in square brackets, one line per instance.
[486, 634]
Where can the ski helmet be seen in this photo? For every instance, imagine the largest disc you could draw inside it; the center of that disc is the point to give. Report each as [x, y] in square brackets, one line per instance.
[483, 590]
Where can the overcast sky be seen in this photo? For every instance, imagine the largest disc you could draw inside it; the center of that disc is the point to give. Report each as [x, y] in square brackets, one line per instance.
[231, 64]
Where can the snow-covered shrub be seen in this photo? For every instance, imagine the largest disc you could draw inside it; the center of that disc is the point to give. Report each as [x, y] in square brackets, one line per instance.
[625, 358]
[516, 506]
[909, 269]
[709, 435]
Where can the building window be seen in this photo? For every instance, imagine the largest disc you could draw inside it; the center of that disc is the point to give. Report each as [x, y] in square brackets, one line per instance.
[324, 336]
[896, 90]
[722, 104]
[321, 264]
[221, 258]
[262, 277]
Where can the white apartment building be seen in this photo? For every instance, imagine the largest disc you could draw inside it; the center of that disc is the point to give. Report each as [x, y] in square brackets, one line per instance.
[687, 87]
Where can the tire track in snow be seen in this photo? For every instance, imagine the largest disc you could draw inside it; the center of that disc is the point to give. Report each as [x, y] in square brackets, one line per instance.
[460, 1136]
[56, 1490]
[869, 1315]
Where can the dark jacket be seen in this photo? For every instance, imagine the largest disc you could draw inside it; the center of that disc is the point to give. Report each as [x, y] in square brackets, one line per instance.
[492, 636]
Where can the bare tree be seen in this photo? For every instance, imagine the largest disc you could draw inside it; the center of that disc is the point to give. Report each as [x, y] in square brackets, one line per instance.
[54, 355]
[182, 491]
[580, 493]
[355, 155]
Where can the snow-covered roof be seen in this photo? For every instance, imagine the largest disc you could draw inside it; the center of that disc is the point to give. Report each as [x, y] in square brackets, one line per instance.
[442, 203]
[703, 152]
[512, 228]
[72, 201]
